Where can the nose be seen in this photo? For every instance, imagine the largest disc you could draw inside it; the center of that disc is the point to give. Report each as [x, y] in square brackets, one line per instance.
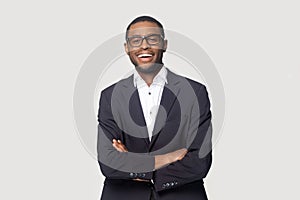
[145, 44]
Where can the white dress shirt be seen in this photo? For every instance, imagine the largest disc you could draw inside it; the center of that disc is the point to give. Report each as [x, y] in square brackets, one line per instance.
[150, 96]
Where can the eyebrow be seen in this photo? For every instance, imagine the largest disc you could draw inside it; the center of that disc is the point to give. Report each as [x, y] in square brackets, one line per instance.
[144, 35]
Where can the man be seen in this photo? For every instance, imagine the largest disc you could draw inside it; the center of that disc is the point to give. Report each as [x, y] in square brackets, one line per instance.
[154, 132]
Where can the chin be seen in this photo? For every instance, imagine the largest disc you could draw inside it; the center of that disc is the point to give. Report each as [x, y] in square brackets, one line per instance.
[148, 68]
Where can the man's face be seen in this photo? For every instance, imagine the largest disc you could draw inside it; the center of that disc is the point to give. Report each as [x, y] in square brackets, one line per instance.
[149, 53]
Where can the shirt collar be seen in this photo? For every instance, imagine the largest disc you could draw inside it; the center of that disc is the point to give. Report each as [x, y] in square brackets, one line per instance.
[159, 79]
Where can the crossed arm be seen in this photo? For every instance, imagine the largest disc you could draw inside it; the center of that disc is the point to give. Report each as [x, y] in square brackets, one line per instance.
[160, 160]
[118, 162]
[175, 168]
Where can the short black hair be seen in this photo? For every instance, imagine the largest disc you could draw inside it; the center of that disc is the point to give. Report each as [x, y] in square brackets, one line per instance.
[147, 19]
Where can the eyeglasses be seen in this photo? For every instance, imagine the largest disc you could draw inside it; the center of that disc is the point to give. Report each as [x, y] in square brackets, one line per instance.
[153, 39]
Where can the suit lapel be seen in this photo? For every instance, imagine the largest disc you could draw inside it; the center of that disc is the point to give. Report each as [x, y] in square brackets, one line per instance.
[170, 92]
[169, 95]
[136, 109]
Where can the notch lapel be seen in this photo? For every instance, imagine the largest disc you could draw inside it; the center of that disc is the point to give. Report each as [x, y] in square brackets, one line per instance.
[135, 108]
[169, 95]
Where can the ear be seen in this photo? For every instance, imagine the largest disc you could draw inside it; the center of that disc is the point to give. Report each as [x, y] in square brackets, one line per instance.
[165, 45]
[126, 48]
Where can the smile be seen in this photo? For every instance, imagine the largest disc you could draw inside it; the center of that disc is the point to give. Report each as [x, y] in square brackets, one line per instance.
[144, 55]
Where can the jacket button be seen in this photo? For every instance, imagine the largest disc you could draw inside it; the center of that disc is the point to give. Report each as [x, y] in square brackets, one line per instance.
[131, 174]
[167, 184]
[163, 186]
[172, 184]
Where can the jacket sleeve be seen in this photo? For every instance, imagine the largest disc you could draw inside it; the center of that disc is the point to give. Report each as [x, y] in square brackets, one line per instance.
[196, 163]
[115, 164]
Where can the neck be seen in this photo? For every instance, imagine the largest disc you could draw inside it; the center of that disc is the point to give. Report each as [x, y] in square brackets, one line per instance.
[149, 76]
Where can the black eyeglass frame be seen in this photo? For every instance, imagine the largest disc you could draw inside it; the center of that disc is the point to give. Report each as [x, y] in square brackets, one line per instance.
[144, 37]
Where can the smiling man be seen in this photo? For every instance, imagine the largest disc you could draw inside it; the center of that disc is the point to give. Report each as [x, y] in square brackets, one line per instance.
[145, 46]
[154, 132]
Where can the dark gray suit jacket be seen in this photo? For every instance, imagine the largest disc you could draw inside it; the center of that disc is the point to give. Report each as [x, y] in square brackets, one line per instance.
[183, 120]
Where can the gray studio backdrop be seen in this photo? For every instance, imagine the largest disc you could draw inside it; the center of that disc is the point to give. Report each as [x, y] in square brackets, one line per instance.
[254, 46]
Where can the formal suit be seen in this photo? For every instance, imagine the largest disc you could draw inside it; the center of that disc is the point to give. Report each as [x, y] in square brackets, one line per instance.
[183, 121]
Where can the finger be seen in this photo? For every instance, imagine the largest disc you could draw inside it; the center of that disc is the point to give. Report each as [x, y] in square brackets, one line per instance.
[184, 153]
[117, 148]
[181, 157]
[123, 148]
[116, 144]
[121, 145]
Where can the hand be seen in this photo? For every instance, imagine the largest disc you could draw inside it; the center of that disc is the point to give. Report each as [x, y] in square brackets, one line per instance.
[165, 159]
[177, 155]
[119, 146]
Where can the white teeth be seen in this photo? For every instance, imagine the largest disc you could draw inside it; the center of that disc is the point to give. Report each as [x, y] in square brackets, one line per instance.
[144, 55]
